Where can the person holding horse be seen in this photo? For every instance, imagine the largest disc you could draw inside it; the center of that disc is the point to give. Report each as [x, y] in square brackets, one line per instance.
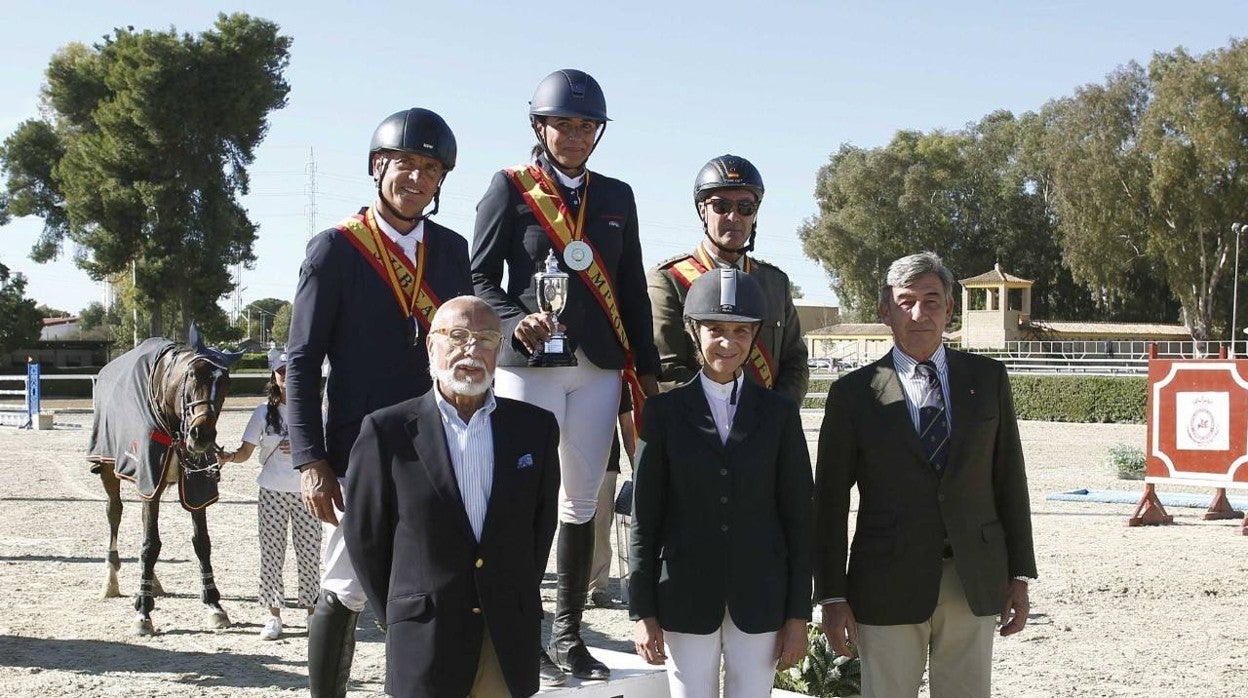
[451, 513]
[367, 292]
[279, 504]
[555, 217]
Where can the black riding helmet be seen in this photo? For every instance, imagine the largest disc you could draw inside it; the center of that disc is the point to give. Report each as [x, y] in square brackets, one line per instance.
[726, 294]
[569, 93]
[418, 131]
[723, 295]
[727, 172]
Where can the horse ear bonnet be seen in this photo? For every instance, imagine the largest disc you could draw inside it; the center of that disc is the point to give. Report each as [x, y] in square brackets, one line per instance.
[220, 359]
[213, 355]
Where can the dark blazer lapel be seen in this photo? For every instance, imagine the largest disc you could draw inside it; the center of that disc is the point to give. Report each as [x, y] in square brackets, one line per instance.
[891, 402]
[961, 404]
[505, 468]
[429, 438]
[747, 416]
[697, 411]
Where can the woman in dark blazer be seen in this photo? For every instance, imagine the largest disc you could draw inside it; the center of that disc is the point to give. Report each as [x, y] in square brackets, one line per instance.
[586, 225]
[721, 531]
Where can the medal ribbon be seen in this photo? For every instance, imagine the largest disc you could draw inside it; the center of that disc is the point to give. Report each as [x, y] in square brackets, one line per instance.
[407, 282]
[759, 363]
[543, 198]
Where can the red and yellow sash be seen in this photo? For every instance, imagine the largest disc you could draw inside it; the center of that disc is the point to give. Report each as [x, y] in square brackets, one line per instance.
[759, 363]
[543, 198]
[408, 283]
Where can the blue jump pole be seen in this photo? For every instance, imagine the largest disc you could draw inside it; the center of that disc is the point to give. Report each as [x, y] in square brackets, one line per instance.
[32, 393]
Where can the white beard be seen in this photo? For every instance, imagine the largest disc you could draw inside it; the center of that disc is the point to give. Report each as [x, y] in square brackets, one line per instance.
[461, 386]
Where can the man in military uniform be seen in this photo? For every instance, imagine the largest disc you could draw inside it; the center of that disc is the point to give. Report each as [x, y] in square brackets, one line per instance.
[727, 194]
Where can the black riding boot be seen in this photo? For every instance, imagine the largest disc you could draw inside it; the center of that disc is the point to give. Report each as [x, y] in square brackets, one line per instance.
[331, 647]
[548, 673]
[573, 559]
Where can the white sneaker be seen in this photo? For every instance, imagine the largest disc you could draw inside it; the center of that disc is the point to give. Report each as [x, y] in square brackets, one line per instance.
[272, 629]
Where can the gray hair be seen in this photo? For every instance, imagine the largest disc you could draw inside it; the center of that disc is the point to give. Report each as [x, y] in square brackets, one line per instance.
[907, 270]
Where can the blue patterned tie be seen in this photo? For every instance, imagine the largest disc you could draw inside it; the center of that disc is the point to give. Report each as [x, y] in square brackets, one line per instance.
[933, 419]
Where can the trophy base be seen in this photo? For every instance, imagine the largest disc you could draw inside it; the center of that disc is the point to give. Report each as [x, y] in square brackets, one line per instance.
[544, 360]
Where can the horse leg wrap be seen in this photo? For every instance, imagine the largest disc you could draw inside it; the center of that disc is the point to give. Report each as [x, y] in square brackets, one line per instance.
[209, 593]
[331, 647]
[143, 601]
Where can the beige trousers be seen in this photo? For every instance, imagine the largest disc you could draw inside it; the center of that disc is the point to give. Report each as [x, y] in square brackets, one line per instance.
[958, 642]
[489, 682]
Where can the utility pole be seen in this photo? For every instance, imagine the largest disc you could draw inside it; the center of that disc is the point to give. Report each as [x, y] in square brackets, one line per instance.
[310, 189]
[236, 308]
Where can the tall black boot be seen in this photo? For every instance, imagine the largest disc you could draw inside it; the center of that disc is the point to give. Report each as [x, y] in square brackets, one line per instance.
[331, 647]
[573, 558]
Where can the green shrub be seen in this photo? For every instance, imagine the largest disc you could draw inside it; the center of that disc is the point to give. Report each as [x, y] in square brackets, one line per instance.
[1126, 461]
[822, 672]
[253, 361]
[1080, 398]
[818, 388]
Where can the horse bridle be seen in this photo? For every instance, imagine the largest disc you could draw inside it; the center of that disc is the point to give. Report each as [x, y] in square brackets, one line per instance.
[191, 416]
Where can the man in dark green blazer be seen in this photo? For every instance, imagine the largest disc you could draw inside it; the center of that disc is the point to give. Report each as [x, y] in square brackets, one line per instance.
[943, 540]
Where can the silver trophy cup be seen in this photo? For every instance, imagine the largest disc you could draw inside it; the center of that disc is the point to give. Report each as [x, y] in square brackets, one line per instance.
[552, 297]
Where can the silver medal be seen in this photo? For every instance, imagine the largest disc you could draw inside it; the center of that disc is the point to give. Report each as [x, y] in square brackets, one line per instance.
[578, 255]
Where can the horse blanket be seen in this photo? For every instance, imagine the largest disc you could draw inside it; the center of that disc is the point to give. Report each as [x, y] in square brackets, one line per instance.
[128, 433]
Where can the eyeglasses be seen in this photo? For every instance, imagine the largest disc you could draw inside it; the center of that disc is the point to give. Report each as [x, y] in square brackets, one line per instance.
[724, 206]
[460, 337]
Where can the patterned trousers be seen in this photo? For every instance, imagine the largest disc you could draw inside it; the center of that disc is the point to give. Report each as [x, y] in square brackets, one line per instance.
[280, 512]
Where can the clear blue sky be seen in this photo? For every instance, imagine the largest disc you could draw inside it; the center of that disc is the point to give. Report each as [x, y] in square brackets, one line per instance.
[781, 83]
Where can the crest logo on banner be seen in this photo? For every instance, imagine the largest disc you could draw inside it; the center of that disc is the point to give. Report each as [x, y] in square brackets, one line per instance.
[1201, 421]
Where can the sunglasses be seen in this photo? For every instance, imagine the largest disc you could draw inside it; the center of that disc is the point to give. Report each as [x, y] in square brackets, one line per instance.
[460, 337]
[724, 206]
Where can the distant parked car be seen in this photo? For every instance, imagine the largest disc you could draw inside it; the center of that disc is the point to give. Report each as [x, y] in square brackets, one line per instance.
[819, 363]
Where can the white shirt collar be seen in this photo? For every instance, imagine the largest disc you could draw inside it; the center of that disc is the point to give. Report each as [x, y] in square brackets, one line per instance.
[569, 182]
[449, 413]
[417, 234]
[720, 391]
[905, 364]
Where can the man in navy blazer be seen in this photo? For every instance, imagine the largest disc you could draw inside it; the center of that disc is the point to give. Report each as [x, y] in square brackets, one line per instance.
[452, 500]
[353, 308]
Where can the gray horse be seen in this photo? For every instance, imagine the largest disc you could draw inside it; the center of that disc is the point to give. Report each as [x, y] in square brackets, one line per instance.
[156, 409]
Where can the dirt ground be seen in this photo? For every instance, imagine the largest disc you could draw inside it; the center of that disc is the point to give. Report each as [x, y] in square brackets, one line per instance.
[1118, 611]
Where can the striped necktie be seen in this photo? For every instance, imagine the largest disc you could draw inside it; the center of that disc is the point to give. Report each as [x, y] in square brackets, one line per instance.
[933, 419]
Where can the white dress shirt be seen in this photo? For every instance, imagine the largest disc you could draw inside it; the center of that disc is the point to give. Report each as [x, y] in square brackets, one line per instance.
[915, 386]
[471, 447]
[407, 242]
[719, 397]
[569, 182]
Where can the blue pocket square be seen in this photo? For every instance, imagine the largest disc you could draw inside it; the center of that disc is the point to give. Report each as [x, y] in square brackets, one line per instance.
[526, 461]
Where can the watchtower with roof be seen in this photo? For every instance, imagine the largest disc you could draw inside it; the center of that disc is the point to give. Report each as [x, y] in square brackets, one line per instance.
[1005, 309]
